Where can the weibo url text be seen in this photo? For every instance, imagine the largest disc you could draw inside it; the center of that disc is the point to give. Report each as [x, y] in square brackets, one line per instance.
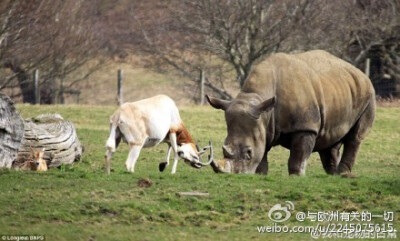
[337, 230]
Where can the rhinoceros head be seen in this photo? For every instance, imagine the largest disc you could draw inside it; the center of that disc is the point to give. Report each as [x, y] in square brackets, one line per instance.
[244, 147]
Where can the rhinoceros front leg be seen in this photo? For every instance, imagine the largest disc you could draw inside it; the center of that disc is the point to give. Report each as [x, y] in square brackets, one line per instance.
[301, 146]
[263, 166]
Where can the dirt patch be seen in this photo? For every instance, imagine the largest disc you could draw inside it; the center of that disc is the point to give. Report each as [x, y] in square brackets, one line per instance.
[145, 182]
[388, 102]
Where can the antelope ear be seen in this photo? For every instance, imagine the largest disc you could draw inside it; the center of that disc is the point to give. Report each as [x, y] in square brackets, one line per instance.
[256, 110]
[32, 154]
[218, 103]
[41, 153]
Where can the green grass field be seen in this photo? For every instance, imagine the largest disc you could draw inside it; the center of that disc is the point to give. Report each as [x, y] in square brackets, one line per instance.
[80, 202]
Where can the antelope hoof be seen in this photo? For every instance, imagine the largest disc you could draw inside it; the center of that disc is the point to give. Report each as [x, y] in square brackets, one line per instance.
[162, 166]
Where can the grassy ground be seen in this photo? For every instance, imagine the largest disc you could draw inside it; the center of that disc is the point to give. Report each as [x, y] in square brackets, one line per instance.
[80, 202]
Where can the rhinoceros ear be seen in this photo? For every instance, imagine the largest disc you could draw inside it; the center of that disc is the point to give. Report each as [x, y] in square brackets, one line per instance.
[256, 110]
[218, 103]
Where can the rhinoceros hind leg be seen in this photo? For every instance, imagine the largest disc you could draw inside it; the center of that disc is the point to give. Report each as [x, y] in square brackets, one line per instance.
[301, 146]
[350, 151]
[353, 139]
[330, 158]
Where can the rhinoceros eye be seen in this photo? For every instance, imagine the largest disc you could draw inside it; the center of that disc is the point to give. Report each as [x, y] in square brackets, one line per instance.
[248, 153]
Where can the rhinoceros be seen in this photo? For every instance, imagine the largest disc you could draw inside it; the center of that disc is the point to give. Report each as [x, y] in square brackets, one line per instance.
[306, 102]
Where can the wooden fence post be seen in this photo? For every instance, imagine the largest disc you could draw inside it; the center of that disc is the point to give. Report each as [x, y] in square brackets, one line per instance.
[202, 80]
[36, 86]
[120, 89]
[78, 97]
[61, 99]
[367, 66]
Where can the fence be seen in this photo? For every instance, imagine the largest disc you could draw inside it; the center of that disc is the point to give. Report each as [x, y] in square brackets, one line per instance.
[385, 85]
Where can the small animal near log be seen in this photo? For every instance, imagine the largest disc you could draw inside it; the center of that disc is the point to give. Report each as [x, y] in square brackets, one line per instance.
[35, 162]
[11, 131]
[53, 135]
[147, 123]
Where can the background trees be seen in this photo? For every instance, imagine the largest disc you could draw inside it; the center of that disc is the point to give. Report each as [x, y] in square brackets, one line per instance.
[217, 40]
[238, 33]
[52, 36]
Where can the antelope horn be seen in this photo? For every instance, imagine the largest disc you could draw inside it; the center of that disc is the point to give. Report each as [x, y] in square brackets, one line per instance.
[210, 157]
[201, 152]
[204, 149]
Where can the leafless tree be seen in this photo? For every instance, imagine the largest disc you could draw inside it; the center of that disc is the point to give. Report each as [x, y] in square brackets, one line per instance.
[377, 37]
[208, 34]
[241, 32]
[221, 38]
[357, 30]
[56, 37]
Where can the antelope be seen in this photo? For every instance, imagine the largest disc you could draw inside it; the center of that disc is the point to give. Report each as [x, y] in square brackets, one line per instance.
[35, 162]
[147, 123]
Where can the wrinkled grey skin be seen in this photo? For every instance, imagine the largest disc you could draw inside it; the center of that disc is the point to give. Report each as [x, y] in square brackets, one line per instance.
[309, 102]
[244, 146]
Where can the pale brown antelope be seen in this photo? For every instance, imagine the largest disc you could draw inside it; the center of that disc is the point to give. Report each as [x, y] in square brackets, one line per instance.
[35, 162]
[147, 123]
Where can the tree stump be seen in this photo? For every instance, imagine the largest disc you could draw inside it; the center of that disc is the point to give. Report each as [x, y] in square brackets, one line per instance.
[11, 131]
[56, 135]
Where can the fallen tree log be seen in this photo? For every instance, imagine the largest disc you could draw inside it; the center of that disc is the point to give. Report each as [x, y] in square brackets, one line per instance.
[57, 136]
[11, 131]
